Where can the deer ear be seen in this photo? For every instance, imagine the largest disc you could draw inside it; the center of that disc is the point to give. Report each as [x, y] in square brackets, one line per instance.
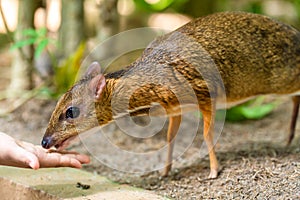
[93, 70]
[97, 86]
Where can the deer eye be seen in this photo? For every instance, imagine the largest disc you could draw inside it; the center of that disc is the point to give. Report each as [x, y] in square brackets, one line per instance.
[72, 112]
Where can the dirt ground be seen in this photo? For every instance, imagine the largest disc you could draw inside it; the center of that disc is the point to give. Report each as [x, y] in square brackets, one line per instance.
[255, 164]
[254, 160]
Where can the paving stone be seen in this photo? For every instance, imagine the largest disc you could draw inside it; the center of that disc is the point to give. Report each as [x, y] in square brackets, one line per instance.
[64, 183]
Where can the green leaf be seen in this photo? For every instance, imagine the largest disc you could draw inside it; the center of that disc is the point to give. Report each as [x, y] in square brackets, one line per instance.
[159, 6]
[40, 47]
[162, 4]
[235, 114]
[65, 74]
[23, 43]
[42, 32]
[46, 92]
[257, 112]
[30, 32]
[253, 109]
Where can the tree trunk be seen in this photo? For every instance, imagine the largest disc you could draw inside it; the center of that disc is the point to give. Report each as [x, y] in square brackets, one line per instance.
[72, 26]
[108, 26]
[22, 67]
[109, 19]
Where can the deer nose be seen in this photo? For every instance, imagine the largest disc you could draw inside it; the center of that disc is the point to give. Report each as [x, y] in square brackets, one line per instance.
[47, 142]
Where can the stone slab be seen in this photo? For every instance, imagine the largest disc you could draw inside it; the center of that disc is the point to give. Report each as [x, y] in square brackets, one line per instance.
[64, 183]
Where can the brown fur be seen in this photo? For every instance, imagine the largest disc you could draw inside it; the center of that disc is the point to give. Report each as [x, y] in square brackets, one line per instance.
[234, 53]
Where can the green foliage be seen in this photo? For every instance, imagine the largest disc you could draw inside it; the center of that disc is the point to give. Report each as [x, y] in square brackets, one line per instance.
[159, 5]
[46, 92]
[296, 4]
[37, 37]
[254, 109]
[64, 76]
[255, 7]
[65, 73]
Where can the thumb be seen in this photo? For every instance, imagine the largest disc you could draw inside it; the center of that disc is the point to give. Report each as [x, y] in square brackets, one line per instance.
[26, 158]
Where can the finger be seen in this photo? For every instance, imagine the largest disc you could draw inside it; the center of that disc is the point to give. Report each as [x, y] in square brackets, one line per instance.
[84, 159]
[73, 160]
[69, 161]
[22, 158]
[57, 159]
[29, 152]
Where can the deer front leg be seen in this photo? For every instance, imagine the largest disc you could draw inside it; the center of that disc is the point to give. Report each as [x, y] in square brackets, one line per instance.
[208, 133]
[296, 102]
[174, 123]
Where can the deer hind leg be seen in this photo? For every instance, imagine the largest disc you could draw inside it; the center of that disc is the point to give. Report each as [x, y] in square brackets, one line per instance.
[208, 134]
[296, 102]
[174, 123]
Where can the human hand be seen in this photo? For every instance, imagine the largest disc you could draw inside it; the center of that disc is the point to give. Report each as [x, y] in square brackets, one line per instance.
[23, 154]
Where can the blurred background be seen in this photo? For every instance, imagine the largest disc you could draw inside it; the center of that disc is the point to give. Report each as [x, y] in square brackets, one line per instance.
[42, 45]
[42, 42]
